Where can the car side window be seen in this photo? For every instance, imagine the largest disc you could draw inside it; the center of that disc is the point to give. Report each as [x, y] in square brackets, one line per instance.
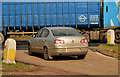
[39, 33]
[44, 33]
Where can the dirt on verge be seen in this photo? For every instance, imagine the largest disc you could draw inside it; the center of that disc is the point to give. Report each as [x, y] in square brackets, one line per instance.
[109, 50]
[42, 71]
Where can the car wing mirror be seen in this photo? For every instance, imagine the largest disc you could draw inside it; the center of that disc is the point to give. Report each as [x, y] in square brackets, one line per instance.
[33, 35]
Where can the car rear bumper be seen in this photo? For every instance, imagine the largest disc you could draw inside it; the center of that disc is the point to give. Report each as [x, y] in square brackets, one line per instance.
[68, 51]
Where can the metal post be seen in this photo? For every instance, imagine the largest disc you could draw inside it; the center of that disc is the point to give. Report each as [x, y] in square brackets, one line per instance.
[45, 12]
[57, 13]
[76, 13]
[3, 25]
[33, 14]
[39, 13]
[23, 33]
[88, 15]
[63, 13]
[69, 14]
[8, 15]
[21, 15]
[99, 12]
[51, 16]
[15, 14]
[27, 16]
[33, 31]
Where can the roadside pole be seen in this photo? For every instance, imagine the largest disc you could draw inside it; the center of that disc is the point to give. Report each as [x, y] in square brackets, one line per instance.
[110, 36]
[9, 51]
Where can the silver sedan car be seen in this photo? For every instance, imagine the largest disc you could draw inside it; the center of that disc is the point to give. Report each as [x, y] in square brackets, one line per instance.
[58, 41]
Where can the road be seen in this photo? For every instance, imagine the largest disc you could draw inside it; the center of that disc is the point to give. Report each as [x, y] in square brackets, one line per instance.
[93, 64]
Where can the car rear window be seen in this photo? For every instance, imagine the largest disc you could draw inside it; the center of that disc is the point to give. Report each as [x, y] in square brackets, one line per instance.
[65, 32]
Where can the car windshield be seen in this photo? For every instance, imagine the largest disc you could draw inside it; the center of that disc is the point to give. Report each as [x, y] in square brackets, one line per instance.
[65, 32]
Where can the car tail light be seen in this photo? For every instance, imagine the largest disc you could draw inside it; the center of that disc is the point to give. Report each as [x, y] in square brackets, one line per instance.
[83, 41]
[57, 41]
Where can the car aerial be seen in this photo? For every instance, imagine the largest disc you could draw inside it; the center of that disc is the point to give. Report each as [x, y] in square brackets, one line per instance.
[58, 41]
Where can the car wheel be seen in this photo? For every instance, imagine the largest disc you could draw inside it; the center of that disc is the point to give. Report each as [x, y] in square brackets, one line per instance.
[46, 54]
[81, 57]
[29, 50]
[46, 57]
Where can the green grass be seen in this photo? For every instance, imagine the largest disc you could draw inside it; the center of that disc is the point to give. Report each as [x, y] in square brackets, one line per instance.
[21, 37]
[109, 47]
[13, 36]
[19, 67]
[113, 50]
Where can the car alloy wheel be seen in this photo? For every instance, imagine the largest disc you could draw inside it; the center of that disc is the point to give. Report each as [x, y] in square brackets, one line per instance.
[46, 56]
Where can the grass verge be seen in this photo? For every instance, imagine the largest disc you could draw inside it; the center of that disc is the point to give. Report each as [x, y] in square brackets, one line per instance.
[19, 67]
[112, 50]
[17, 37]
[109, 47]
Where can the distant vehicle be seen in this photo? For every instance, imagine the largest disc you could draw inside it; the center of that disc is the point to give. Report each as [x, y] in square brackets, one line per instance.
[58, 41]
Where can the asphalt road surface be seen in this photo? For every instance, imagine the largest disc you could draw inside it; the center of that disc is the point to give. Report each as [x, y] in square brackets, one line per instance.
[93, 64]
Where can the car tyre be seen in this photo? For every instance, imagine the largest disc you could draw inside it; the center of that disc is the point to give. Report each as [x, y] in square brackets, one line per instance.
[29, 50]
[81, 57]
[46, 54]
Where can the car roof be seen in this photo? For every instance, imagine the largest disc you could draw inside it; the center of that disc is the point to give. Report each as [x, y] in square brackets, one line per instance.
[50, 28]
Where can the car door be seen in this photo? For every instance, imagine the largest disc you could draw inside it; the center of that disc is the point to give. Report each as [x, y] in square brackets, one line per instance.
[35, 40]
[42, 39]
